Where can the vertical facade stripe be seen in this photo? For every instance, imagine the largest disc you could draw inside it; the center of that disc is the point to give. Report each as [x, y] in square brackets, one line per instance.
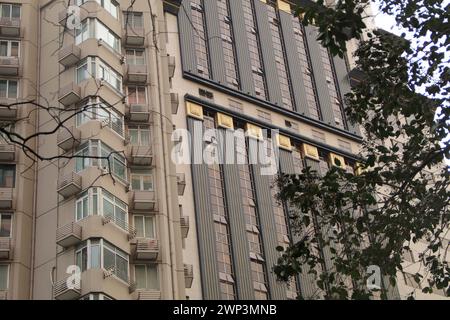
[270, 69]
[344, 86]
[308, 287]
[295, 71]
[269, 231]
[241, 258]
[215, 42]
[241, 45]
[319, 75]
[186, 35]
[205, 223]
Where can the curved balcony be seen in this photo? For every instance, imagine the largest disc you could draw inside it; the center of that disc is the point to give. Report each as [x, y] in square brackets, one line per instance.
[146, 249]
[8, 113]
[69, 184]
[9, 66]
[136, 73]
[188, 275]
[172, 66]
[69, 55]
[5, 249]
[69, 235]
[10, 27]
[143, 200]
[141, 155]
[174, 102]
[134, 36]
[181, 183]
[93, 280]
[7, 152]
[6, 198]
[69, 94]
[138, 112]
[69, 138]
[185, 225]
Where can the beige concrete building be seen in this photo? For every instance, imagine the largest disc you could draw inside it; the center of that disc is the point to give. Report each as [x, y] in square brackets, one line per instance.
[108, 214]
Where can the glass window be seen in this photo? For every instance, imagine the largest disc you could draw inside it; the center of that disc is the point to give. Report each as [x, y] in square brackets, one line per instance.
[7, 176]
[4, 276]
[135, 56]
[92, 67]
[8, 89]
[136, 95]
[93, 28]
[146, 277]
[8, 10]
[133, 19]
[5, 225]
[145, 226]
[139, 135]
[100, 254]
[141, 180]
[97, 110]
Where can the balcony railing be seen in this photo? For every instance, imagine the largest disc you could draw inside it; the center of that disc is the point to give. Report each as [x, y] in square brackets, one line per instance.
[7, 152]
[9, 66]
[138, 113]
[188, 275]
[143, 200]
[5, 248]
[147, 249]
[69, 235]
[9, 27]
[184, 221]
[64, 290]
[141, 155]
[69, 55]
[181, 183]
[70, 94]
[137, 73]
[174, 102]
[134, 36]
[6, 198]
[121, 223]
[147, 295]
[69, 138]
[8, 113]
[69, 184]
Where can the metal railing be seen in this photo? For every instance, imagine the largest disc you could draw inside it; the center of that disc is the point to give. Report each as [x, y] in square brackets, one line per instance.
[69, 178]
[72, 228]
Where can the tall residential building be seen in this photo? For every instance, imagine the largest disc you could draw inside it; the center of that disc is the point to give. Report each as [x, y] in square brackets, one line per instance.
[101, 85]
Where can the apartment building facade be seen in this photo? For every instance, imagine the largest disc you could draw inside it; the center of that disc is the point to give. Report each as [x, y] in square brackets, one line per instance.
[110, 215]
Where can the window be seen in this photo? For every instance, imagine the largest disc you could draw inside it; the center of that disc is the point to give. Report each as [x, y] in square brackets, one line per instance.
[96, 68]
[96, 153]
[229, 55]
[4, 277]
[133, 19]
[135, 56]
[109, 5]
[200, 36]
[8, 89]
[96, 296]
[9, 48]
[94, 29]
[7, 176]
[146, 276]
[139, 135]
[145, 226]
[100, 254]
[141, 180]
[10, 10]
[96, 109]
[97, 201]
[259, 79]
[5, 225]
[136, 95]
